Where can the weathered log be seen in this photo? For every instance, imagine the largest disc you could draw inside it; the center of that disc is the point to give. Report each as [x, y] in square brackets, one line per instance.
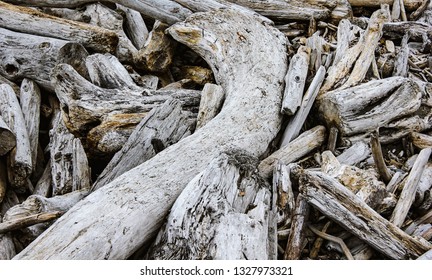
[30, 99]
[69, 165]
[28, 56]
[212, 98]
[379, 158]
[421, 140]
[285, 196]
[19, 159]
[135, 26]
[298, 226]
[231, 207]
[358, 152]
[299, 147]
[26, 20]
[7, 138]
[342, 206]
[10, 225]
[371, 105]
[295, 81]
[417, 30]
[43, 186]
[165, 10]
[401, 62]
[7, 247]
[407, 196]
[162, 127]
[152, 187]
[409, 4]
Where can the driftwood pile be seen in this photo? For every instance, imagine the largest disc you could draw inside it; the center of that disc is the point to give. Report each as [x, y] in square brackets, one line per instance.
[215, 129]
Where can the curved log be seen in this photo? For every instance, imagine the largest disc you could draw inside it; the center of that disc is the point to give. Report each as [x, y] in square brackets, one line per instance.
[248, 58]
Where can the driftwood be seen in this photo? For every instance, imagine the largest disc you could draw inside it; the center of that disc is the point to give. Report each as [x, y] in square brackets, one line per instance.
[335, 201]
[135, 26]
[153, 186]
[231, 217]
[10, 225]
[212, 98]
[7, 138]
[298, 226]
[285, 201]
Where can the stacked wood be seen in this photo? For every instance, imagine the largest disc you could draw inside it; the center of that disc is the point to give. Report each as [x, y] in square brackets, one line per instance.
[215, 129]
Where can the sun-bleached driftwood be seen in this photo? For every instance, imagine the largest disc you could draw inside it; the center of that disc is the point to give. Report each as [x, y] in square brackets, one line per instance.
[158, 51]
[296, 237]
[152, 187]
[379, 158]
[86, 104]
[295, 124]
[30, 100]
[163, 126]
[285, 196]
[425, 219]
[43, 186]
[135, 26]
[26, 20]
[10, 225]
[7, 247]
[295, 81]
[344, 37]
[7, 138]
[224, 225]
[165, 10]
[421, 140]
[401, 62]
[345, 208]
[28, 56]
[299, 147]
[371, 105]
[407, 196]
[212, 98]
[19, 159]
[409, 4]
[69, 165]
[418, 31]
[356, 153]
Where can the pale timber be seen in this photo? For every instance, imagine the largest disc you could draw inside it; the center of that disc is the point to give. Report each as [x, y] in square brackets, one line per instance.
[212, 98]
[127, 212]
[10, 225]
[223, 224]
[345, 208]
[409, 4]
[26, 20]
[421, 140]
[19, 159]
[135, 26]
[355, 154]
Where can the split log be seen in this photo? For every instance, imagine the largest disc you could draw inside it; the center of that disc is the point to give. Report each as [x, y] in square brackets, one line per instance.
[231, 220]
[371, 105]
[296, 237]
[152, 187]
[212, 98]
[296, 149]
[7, 138]
[165, 10]
[28, 56]
[19, 159]
[26, 20]
[407, 196]
[342, 206]
[69, 165]
[30, 99]
[163, 126]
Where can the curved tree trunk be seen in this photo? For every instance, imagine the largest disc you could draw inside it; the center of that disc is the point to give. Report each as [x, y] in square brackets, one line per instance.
[248, 58]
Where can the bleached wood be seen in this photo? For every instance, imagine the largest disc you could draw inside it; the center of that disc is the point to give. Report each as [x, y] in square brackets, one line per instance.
[19, 159]
[30, 100]
[297, 236]
[345, 208]
[223, 226]
[7, 247]
[295, 80]
[426, 256]
[43, 186]
[355, 154]
[295, 124]
[10, 225]
[379, 158]
[137, 201]
[285, 195]
[417, 30]
[421, 140]
[401, 62]
[409, 4]
[135, 26]
[344, 37]
[7, 138]
[165, 10]
[163, 126]
[26, 20]
[363, 108]
[212, 98]
[296, 149]
[407, 196]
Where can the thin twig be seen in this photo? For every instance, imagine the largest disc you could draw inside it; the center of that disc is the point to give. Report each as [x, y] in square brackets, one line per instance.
[318, 242]
[334, 239]
[379, 159]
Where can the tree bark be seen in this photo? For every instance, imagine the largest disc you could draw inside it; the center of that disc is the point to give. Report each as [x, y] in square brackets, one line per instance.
[120, 217]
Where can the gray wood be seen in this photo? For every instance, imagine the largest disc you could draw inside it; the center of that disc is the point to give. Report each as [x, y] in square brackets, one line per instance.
[345, 208]
[44, 185]
[224, 225]
[409, 4]
[421, 140]
[401, 62]
[7, 138]
[7, 247]
[285, 196]
[135, 26]
[137, 201]
[297, 235]
[212, 98]
[3, 180]
[355, 154]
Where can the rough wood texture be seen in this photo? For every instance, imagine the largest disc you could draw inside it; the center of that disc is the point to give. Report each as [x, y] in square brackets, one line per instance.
[421, 140]
[224, 225]
[19, 159]
[10, 225]
[152, 187]
[162, 127]
[7, 138]
[298, 226]
[212, 98]
[409, 4]
[356, 153]
[135, 26]
[285, 196]
[345, 208]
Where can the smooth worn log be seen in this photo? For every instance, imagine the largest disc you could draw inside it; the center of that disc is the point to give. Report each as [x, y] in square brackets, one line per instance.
[371, 105]
[19, 159]
[26, 20]
[7, 138]
[296, 149]
[28, 56]
[163, 126]
[223, 225]
[135, 26]
[355, 154]
[7, 247]
[407, 196]
[137, 201]
[212, 98]
[165, 10]
[345, 208]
